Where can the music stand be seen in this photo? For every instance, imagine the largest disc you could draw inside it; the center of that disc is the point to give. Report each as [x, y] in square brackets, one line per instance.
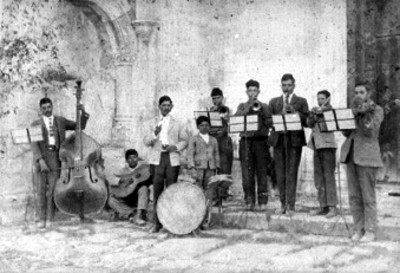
[245, 124]
[27, 136]
[286, 123]
[337, 120]
[213, 116]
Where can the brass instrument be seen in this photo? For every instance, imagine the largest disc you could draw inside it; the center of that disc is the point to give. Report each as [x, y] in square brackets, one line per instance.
[224, 112]
[256, 106]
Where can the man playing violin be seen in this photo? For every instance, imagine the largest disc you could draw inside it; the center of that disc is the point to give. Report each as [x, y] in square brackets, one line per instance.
[46, 156]
[253, 150]
[129, 197]
[361, 153]
[324, 146]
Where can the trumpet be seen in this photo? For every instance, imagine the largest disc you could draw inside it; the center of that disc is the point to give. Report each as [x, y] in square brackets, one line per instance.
[223, 112]
[257, 106]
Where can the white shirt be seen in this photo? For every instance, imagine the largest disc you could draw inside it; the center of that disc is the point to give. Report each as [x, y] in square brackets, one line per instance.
[52, 140]
[206, 137]
[163, 135]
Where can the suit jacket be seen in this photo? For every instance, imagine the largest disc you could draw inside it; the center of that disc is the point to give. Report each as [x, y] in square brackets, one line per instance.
[60, 125]
[364, 142]
[177, 135]
[297, 138]
[319, 140]
[263, 115]
[202, 154]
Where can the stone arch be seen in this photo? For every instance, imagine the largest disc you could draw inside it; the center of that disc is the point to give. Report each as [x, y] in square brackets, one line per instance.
[113, 21]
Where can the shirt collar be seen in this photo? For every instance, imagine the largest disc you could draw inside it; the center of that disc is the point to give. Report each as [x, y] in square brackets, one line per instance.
[48, 118]
[290, 96]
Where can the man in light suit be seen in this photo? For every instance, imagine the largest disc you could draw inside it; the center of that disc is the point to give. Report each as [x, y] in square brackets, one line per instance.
[288, 103]
[166, 138]
[324, 146]
[46, 156]
[362, 155]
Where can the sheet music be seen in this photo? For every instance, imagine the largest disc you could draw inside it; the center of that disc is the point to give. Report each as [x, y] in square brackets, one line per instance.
[215, 119]
[20, 136]
[329, 121]
[236, 124]
[36, 134]
[293, 122]
[277, 121]
[345, 119]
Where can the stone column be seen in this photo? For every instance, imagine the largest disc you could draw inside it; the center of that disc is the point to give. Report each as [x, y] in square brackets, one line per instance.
[145, 75]
[122, 128]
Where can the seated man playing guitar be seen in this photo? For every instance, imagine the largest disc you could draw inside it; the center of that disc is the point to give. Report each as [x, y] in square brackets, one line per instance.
[131, 193]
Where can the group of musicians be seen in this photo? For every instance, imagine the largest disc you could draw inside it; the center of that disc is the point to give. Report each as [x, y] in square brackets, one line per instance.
[211, 152]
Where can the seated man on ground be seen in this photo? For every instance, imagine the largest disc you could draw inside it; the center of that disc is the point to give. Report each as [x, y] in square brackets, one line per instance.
[132, 192]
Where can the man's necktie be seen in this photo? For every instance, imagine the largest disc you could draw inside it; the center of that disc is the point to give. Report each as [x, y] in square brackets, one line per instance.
[287, 99]
[51, 132]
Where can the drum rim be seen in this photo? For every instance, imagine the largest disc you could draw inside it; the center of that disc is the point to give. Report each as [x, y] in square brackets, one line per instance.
[176, 185]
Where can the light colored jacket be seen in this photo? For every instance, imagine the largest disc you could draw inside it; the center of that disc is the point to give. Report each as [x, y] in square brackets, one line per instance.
[319, 140]
[365, 142]
[203, 155]
[177, 135]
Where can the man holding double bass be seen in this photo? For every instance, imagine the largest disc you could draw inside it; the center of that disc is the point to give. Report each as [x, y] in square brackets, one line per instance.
[46, 156]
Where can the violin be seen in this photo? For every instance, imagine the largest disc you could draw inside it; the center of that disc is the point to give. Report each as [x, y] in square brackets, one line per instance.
[82, 188]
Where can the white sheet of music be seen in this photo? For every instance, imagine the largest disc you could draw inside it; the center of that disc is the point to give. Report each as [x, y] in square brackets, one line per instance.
[330, 120]
[345, 118]
[252, 122]
[215, 119]
[293, 122]
[236, 124]
[277, 120]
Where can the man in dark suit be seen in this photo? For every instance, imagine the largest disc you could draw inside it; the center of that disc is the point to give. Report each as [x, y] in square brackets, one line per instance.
[295, 140]
[46, 156]
[361, 153]
[253, 150]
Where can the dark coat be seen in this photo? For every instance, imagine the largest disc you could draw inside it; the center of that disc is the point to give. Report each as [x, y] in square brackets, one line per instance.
[297, 138]
[60, 125]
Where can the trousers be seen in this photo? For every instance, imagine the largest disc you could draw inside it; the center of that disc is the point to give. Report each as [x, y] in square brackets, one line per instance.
[45, 186]
[287, 180]
[324, 176]
[254, 156]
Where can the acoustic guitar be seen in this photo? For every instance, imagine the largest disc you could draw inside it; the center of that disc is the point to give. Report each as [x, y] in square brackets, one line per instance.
[130, 180]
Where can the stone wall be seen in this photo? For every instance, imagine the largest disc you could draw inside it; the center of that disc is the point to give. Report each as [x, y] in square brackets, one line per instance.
[45, 45]
[195, 45]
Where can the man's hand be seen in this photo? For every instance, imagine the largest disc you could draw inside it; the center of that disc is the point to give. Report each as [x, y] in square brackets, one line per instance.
[289, 109]
[82, 108]
[157, 130]
[171, 148]
[43, 166]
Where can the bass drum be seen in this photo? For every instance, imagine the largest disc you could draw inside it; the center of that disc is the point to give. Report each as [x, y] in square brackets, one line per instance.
[181, 208]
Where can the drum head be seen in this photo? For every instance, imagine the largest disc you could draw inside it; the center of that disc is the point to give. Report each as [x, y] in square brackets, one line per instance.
[181, 208]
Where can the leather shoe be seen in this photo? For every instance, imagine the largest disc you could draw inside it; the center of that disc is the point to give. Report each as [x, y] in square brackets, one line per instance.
[332, 212]
[41, 224]
[155, 229]
[320, 211]
[356, 237]
[369, 236]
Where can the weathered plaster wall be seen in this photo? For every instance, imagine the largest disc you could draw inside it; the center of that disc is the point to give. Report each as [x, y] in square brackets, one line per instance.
[197, 45]
[44, 45]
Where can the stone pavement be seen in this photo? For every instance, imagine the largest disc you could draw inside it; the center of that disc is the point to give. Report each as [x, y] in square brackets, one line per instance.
[104, 247]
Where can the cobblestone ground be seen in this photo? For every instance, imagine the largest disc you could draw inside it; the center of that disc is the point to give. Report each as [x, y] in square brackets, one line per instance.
[122, 247]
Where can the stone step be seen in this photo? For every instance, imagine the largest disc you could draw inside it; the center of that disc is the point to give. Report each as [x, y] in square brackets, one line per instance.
[301, 223]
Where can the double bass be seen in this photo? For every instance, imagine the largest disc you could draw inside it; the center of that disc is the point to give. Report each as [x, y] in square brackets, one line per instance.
[82, 188]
